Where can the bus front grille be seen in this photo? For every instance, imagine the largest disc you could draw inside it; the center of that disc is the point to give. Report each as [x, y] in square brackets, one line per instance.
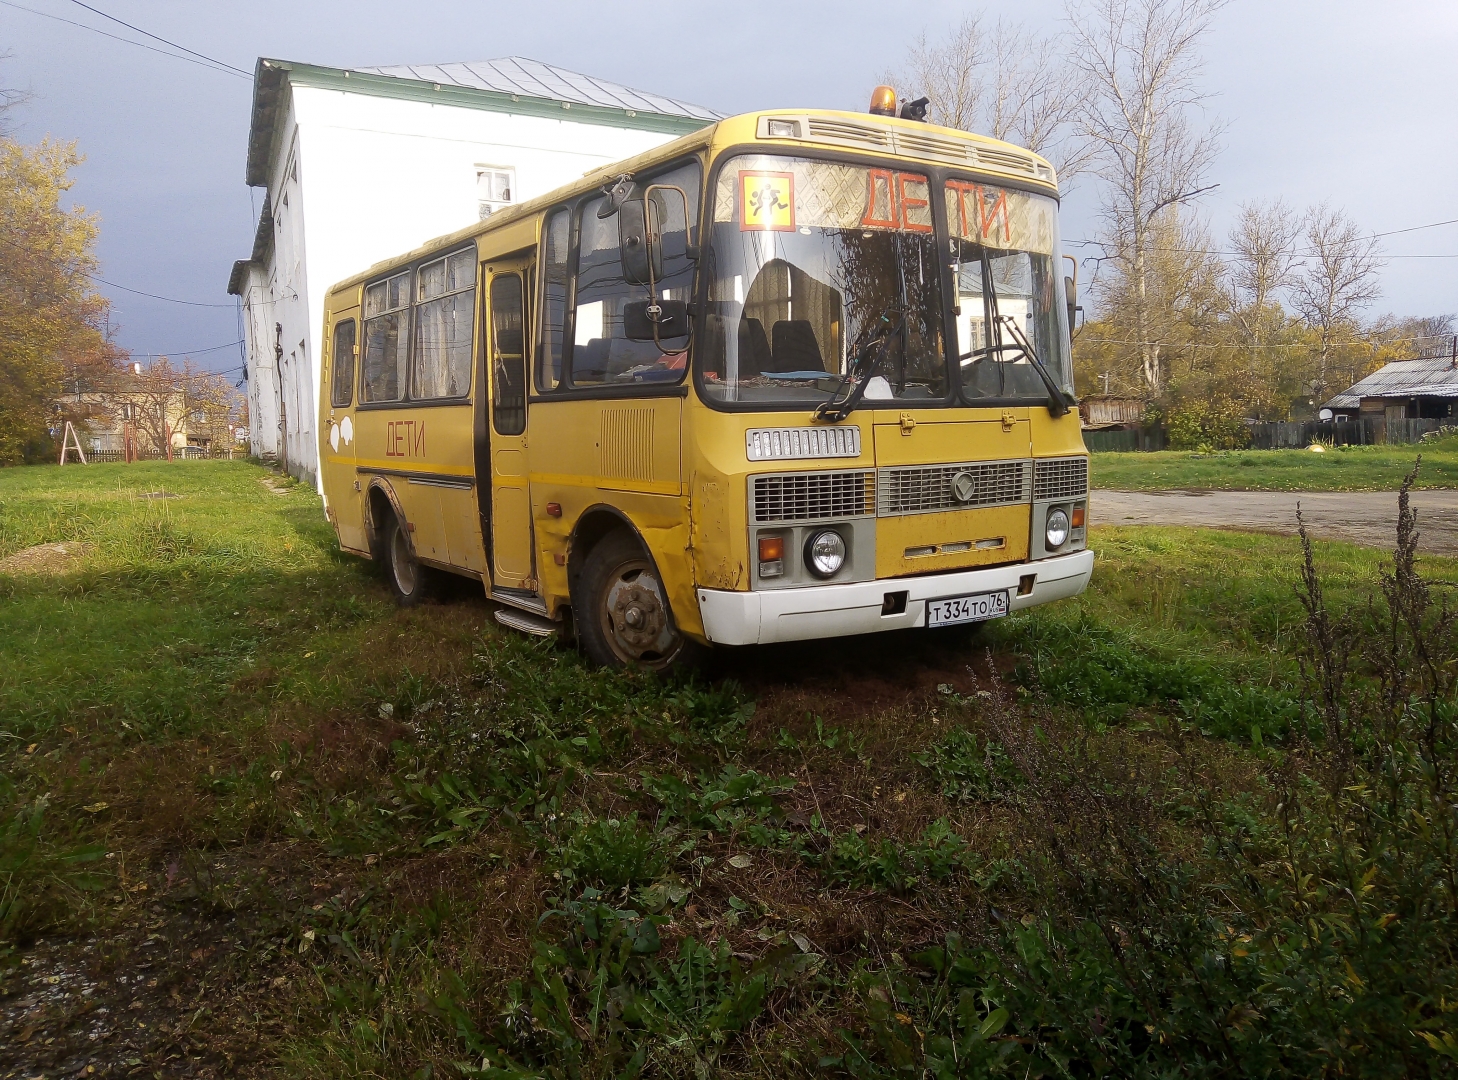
[929, 489]
[1060, 478]
[812, 496]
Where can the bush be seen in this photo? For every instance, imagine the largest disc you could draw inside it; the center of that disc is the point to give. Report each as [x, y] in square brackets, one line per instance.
[1194, 424]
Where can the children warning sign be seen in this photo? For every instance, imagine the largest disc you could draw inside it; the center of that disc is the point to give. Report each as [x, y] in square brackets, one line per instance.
[766, 201]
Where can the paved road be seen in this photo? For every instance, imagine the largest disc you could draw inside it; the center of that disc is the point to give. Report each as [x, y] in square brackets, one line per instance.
[1361, 517]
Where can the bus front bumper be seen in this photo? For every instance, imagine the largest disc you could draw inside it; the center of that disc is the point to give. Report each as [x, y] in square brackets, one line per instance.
[824, 611]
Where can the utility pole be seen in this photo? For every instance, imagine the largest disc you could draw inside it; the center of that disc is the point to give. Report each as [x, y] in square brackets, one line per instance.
[1105, 377]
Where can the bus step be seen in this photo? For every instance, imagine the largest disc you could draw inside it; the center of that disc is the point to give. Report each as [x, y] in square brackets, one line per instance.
[527, 623]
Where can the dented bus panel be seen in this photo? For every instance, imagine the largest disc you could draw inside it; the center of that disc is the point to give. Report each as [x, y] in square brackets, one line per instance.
[796, 375]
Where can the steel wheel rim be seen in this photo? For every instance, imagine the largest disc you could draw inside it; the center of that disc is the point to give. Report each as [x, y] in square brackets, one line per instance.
[635, 617]
[401, 564]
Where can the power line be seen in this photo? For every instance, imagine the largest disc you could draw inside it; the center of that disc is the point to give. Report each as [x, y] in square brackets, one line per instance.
[164, 41]
[154, 296]
[126, 41]
[1302, 255]
[187, 352]
[1416, 228]
[1282, 254]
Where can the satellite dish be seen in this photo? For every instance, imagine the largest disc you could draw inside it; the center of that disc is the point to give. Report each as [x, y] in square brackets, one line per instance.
[1325, 414]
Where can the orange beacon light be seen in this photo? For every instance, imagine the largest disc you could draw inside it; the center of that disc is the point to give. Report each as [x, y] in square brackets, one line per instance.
[883, 101]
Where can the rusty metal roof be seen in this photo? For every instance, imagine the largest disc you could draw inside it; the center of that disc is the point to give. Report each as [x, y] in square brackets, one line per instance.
[1433, 376]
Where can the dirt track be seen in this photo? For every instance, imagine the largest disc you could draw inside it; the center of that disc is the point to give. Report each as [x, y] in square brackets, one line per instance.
[1360, 517]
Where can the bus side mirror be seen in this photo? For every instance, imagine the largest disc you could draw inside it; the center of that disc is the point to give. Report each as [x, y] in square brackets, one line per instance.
[670, 317]
[639, 244]
[1070, 296]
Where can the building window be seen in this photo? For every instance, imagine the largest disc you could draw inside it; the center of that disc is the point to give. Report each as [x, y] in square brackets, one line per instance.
[495, 186]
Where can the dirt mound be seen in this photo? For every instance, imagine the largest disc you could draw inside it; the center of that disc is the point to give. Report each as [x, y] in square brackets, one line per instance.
[45, 559]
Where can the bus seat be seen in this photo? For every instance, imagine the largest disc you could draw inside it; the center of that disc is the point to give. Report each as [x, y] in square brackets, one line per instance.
[754, 348]
[795, 346]
[590, 361]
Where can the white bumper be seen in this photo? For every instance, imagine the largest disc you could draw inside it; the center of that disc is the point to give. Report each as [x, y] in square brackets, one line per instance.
[822, 611]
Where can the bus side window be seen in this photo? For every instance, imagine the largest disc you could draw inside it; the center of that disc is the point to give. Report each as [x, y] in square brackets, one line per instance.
[508, 359]
[555, 239]
[602, 354]
[386, 339]
[343, 388]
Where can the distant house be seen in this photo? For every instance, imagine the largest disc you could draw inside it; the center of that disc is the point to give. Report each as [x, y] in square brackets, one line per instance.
[157, 407]
[1422, 389]
[1102, 411]
[366, 163]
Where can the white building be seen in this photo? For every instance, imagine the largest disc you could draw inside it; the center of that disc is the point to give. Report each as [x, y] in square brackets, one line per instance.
[363, 164]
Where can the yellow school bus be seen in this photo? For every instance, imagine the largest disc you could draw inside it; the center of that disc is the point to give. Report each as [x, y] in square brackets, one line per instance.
[798, 375]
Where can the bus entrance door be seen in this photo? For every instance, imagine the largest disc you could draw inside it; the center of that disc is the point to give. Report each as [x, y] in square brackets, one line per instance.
[336, 447]
[510, 510]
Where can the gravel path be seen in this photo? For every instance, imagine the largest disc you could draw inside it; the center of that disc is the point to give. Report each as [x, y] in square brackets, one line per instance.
[1360, 517]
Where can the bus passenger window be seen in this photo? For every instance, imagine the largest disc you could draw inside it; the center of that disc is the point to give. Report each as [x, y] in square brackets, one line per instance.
[342, 392]
[601, 354]
[508, 359]
[554, 299]
[386, 348]
[444, 316]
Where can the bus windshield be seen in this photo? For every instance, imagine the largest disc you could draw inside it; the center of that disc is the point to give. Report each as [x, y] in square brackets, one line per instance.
[808, 261]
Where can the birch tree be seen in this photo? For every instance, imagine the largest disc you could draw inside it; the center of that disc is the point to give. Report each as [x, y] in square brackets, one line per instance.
[1337, 281]
[1141, 65]
[1263, 244]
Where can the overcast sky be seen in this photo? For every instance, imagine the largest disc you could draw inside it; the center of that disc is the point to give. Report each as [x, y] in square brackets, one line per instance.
[1344, 100]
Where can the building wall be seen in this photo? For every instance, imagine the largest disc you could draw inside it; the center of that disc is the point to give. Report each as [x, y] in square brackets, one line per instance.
[357, 179]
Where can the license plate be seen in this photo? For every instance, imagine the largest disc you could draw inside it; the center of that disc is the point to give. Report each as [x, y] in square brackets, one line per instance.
[964, 609]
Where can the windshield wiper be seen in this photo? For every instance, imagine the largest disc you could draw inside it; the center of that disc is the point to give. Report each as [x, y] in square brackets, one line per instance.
[1057, 403]
[858, 371]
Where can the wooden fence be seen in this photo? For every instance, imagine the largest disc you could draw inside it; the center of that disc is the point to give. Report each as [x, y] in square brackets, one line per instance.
[1122, 440]
[1367, 431]
[1282, 435]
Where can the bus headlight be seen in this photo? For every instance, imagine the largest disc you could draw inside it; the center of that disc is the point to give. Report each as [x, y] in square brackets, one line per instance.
[1057, 532]
[825, 553]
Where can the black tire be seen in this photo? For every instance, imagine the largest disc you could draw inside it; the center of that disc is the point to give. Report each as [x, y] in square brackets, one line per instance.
[409, 582]
[621, 612]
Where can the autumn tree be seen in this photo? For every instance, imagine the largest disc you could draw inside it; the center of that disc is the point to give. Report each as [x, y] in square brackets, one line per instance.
[167, 402]
[51, 319]
[1140, 64]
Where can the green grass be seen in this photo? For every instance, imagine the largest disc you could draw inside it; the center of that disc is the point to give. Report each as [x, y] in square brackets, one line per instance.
[290, 829]
[1342, 468]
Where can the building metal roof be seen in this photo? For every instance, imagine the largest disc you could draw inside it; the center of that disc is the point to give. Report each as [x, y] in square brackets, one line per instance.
[1433, 376]
[510, 84]
[532, 78]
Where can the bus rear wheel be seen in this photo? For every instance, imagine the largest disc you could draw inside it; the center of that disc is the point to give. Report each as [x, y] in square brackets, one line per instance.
[625, 618]
[408, 580]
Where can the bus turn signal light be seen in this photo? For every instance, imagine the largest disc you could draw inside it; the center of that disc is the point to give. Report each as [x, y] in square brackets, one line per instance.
[771, 556]
[554, 509]
[883, 101]
[1078, 517]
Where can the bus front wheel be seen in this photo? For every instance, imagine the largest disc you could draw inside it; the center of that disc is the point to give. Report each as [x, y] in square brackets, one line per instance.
[625, 617]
